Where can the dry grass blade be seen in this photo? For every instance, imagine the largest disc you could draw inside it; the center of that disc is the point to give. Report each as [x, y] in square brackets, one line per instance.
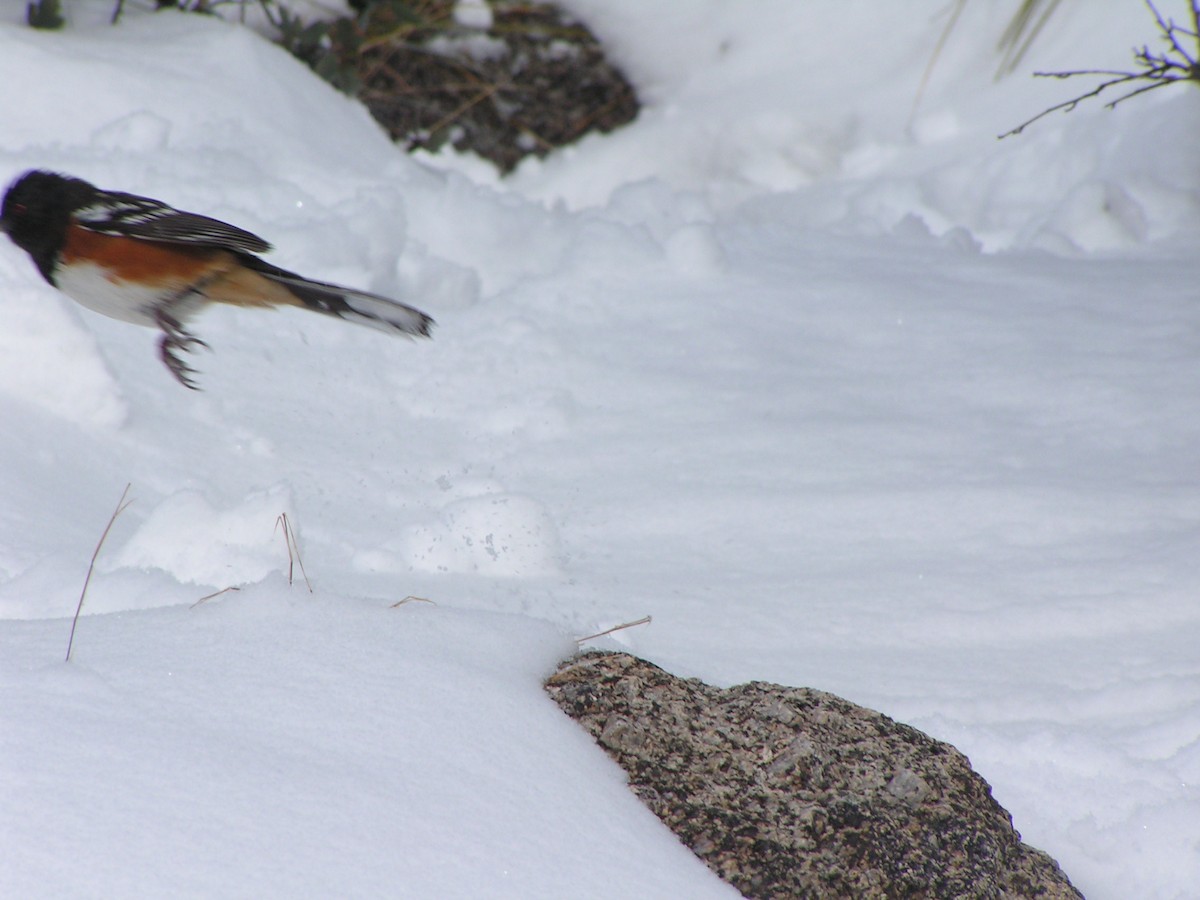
[412, 599]
[959, 5]
[1013, 44]
[1020, 34]
[293, 549]
[214, 594]
[644, 620]
[122, 504]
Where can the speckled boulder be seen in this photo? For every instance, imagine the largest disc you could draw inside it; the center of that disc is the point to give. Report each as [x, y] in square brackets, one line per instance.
[791, 792]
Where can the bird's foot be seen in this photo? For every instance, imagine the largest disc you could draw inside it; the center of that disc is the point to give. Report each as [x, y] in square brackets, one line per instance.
[175, 340]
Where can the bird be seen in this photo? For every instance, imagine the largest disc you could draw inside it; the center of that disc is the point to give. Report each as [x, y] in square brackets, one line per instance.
[139, 260]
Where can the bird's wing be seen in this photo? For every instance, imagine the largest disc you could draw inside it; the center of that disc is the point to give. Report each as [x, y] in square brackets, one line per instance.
[132, 216]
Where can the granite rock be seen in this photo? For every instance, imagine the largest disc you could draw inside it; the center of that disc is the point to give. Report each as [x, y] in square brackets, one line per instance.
[792, 792]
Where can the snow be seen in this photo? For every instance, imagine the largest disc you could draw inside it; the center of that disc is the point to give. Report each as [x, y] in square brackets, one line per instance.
[838, 388]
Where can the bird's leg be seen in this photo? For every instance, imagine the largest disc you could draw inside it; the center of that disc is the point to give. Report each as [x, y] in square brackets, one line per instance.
[176, 339]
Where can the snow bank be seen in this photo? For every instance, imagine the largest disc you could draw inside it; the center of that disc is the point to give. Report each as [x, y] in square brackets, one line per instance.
[278, 744]
[844, 394]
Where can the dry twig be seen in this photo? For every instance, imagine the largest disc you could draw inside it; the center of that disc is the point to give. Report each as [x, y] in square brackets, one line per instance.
[1155, 69]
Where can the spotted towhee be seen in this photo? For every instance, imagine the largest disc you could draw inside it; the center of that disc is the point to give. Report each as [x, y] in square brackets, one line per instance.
[139, 260]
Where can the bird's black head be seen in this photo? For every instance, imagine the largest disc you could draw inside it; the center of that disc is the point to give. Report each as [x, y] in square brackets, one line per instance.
[36, 210]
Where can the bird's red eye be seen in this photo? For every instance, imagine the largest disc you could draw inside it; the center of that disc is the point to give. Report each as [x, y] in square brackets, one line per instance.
[19, 209]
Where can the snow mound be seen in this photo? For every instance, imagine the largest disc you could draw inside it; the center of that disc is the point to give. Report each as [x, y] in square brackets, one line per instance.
[187, 537]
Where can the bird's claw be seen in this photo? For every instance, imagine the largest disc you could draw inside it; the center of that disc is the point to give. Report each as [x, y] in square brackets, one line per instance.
[175, 340]
[169, 348]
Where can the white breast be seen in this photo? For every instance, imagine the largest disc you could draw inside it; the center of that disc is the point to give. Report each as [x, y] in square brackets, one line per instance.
[90, 286]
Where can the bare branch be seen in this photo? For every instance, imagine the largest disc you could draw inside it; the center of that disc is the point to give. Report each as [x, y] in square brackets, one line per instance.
[1140, 90]
[1158, 69]
[1123, 74]
[1068, 105]
[1168, 28]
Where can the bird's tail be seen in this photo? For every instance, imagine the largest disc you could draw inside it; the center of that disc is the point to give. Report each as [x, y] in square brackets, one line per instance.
[352, 305]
